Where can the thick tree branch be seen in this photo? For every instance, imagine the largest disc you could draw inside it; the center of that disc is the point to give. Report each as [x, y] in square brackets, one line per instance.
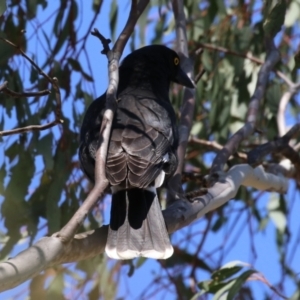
[285, 99]
[182, 213]
[50, 251]
[29, 263]
[284, 168]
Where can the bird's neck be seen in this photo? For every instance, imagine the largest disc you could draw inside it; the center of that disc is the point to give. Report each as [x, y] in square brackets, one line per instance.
[146, 79]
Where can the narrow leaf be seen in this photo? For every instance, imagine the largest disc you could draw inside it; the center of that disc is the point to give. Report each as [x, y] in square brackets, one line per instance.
[238, 283]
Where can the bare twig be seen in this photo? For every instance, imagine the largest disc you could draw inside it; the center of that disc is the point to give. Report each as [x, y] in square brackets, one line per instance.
[41, 72]
[260, 277]
[105, 42]
[243, 55]
[30, 128]
[25, 94]
[53, 81]
[84, 38]
[215, 146]
[58, 113]
[199, 75]
[202, 70]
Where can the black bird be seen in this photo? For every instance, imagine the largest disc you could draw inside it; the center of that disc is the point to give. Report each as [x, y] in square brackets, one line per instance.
[142, 149]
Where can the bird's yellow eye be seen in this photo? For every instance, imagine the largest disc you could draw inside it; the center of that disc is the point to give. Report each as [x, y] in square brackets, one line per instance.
[176, 61]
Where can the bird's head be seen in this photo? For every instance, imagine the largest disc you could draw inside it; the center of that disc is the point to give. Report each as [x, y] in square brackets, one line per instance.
[160, 61]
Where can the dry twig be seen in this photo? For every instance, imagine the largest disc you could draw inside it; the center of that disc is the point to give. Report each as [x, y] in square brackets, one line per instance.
[53, 81]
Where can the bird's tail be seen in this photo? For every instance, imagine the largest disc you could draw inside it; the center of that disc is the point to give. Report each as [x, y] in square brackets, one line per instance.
[137, 227]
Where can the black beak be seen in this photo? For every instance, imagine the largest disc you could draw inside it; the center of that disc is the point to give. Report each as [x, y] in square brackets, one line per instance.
[183, 79]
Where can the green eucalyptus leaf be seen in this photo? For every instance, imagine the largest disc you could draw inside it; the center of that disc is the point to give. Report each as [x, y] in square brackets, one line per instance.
[2, 7]
[113, 16]
[237, 284]
[275, 19]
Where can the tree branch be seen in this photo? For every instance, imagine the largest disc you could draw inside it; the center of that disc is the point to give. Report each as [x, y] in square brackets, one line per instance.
[253, 111]
[101, 183]
[188, 106]
[286, 97]
[215, 146]
[242, 55]
[25, 94]
[51, 251]
[279, 146]
[53, 81]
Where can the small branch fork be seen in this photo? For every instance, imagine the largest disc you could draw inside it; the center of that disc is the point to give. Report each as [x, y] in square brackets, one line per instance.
[278, 146]
[53, 81]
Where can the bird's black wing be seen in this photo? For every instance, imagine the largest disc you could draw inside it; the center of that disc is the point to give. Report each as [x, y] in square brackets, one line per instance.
[142, 141]
[89, 136]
